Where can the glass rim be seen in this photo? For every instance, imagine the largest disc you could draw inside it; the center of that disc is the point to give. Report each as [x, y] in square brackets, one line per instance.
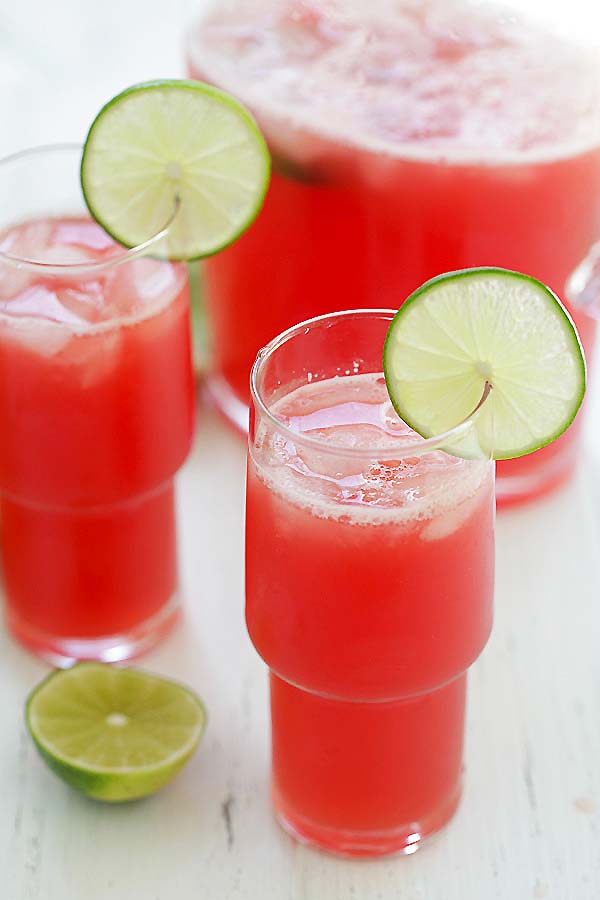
[418, 447]
[122, 255]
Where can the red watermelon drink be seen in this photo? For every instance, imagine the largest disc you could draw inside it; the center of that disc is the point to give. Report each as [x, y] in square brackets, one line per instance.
[408, 139]
[96, 417]
[369, 542]
[369, 592]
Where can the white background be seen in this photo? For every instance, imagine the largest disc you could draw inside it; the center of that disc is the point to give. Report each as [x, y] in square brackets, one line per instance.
[529, 825]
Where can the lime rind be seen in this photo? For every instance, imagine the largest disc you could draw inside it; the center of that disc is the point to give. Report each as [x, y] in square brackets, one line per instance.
[177, 153]
[66, 717]
[465, 329]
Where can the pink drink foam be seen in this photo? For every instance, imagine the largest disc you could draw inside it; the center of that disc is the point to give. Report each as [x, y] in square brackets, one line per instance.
[445, 76]
[354, 413]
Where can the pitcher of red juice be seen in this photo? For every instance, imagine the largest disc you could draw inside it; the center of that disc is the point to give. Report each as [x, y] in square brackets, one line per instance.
[408, 139]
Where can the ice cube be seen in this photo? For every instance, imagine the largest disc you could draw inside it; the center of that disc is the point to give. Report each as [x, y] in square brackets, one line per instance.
[27, 241]
[94, 356]
[13, 280]
[21, 242]
[41, 336]
[85, 300]
[64, 255]
[40, 300]
[450, 519]
[142, 286]
[82, 233]
[35, 241]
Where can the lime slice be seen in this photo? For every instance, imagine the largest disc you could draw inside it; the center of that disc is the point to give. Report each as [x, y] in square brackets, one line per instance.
[175, 150]
[463, 331]
[114, 733]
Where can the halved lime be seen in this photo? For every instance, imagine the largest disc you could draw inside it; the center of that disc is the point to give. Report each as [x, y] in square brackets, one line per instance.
[464, 330]
[114, 733]
[175, 150]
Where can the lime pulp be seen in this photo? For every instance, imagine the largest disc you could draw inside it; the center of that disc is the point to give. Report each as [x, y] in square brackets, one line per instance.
[176, 156]
[114, 733]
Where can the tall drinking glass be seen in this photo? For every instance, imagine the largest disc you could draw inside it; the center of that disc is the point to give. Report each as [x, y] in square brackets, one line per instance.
[369, 583]
[408, 139]
[96, 417]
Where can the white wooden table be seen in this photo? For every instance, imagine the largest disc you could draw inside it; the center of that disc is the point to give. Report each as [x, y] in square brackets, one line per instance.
[529, 824]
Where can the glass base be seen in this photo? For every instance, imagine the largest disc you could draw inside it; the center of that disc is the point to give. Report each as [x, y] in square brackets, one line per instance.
[228, 403]
[403, 840]
[383, 793]
[62, 652]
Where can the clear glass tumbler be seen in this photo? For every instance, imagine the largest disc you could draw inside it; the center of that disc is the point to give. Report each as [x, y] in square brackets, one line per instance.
[96, 417]
[369, 587]
[408, 139]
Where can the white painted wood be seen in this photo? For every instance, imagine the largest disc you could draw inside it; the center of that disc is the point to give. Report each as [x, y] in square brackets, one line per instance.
[529, 824]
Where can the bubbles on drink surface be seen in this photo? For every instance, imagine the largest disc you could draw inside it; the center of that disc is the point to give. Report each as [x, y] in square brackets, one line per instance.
[351, 475]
